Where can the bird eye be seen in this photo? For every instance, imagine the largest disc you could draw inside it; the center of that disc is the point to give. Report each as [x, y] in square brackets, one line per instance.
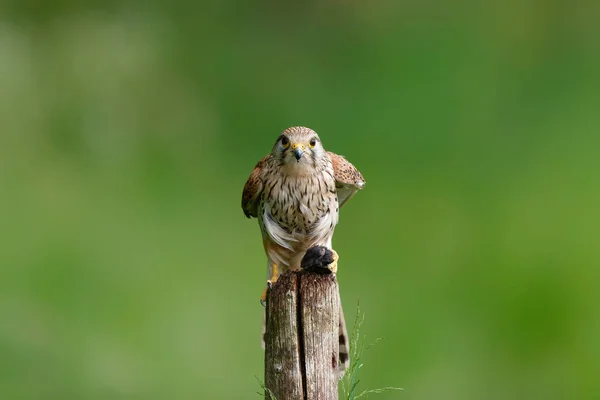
[313, 142]
[285, 142]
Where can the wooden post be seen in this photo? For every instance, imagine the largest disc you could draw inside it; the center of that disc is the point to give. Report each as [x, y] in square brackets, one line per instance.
[301, 339]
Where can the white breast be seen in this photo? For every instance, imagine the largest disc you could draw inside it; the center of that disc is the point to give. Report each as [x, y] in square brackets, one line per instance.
[297, 213]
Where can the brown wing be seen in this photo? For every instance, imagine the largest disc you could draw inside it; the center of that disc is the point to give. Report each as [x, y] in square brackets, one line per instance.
[252, 190]
[348, 180]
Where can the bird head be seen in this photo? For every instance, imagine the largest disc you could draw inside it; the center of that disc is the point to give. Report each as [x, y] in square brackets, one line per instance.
[298, 148]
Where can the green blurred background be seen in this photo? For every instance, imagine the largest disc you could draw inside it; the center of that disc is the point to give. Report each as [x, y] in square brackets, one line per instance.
[128, 129]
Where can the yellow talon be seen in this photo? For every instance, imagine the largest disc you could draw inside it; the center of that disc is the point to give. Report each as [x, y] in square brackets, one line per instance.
[270, 282]
[263, 297]
[334, 264]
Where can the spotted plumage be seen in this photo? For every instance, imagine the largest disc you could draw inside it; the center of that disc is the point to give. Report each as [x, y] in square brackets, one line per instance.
[295, 192]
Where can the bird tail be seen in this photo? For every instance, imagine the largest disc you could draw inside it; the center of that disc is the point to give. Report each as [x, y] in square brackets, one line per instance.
[344, 340]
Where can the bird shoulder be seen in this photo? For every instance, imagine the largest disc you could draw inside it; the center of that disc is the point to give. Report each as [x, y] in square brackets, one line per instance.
[344, 172]
[252, 189]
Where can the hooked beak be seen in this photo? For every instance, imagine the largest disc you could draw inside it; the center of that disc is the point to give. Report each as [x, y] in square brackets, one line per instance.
[298, 150]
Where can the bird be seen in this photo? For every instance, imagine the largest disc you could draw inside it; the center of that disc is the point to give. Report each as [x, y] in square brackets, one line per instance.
[296, 192]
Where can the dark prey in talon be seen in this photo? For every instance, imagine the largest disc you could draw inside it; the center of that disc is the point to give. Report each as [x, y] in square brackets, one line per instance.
[317, 259]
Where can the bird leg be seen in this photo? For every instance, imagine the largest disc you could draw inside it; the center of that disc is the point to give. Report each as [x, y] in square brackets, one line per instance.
[270, 282]
[332, 266]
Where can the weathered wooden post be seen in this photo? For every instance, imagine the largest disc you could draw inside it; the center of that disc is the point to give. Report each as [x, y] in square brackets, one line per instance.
[301, 338]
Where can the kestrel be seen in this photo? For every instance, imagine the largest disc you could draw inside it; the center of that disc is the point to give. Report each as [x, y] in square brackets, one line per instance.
[296, 192]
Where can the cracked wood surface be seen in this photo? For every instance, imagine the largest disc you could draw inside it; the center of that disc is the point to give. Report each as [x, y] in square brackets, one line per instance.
[301, 340]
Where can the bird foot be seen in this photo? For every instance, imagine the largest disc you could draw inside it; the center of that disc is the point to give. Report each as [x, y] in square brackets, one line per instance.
[263, 296]
[334, 264]
[270, 282]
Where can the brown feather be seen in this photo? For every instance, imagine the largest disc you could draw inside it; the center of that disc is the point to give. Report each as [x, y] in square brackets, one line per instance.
[346, 173]
[252, 190]
[348, 179]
